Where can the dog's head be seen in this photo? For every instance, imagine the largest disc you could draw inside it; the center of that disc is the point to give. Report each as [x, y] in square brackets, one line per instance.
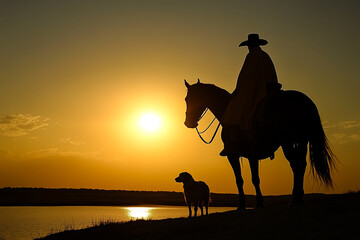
[184, 177]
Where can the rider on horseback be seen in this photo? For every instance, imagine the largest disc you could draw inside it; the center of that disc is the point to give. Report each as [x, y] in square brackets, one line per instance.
[257, 80]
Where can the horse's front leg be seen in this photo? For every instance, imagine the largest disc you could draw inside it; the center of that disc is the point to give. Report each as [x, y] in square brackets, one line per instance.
[254, 166]
[235, 164]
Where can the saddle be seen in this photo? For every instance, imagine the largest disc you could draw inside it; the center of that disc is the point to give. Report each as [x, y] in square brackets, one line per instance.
[262, 109]
[253, 143]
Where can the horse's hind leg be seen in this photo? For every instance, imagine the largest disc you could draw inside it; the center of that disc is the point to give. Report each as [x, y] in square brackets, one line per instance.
[296, 155]
[235, 164]
[254, 166]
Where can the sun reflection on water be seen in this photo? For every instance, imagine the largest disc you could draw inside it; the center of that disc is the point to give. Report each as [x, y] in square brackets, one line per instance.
[139, 212]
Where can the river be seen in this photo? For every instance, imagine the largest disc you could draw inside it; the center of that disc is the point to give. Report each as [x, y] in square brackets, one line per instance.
[24, 223]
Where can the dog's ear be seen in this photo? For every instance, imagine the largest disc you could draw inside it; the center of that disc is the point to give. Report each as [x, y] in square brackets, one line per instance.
[187, 176]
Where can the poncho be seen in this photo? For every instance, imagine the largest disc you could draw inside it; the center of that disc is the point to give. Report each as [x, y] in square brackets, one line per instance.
[257, 72]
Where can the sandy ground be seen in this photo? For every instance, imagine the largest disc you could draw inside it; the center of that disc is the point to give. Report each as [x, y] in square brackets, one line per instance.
[321, 217]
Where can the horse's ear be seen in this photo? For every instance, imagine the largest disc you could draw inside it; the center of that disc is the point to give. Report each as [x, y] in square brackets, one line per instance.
[186, 83]
[198, 80]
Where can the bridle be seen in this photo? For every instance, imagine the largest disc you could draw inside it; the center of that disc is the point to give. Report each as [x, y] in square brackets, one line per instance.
[199, 133]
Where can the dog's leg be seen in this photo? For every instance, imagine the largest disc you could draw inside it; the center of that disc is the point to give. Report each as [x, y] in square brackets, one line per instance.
[201, 208]
[206, 203]
[189, 206]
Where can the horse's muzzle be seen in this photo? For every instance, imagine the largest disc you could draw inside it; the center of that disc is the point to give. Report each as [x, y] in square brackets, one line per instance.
[187, 124]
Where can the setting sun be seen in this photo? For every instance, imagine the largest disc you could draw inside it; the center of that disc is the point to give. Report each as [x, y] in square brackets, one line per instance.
[150, 122]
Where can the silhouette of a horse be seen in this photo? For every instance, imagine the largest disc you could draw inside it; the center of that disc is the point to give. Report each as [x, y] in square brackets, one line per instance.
[289, 119]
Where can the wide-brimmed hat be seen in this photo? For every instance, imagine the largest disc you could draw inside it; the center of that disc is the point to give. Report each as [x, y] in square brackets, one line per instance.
[253, 39]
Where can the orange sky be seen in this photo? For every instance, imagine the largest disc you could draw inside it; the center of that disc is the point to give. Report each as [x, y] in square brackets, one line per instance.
[77, 75]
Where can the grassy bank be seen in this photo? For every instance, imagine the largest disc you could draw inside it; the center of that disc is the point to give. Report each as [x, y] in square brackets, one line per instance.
[321, 217]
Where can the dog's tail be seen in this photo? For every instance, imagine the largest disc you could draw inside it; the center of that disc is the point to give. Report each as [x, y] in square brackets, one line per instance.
[210, 199]
[205, 193]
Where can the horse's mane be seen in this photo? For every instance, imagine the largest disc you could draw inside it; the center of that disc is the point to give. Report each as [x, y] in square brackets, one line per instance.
[215, 89]
[217, 96]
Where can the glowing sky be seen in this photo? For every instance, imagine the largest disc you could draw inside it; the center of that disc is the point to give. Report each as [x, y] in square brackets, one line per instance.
[76, 75]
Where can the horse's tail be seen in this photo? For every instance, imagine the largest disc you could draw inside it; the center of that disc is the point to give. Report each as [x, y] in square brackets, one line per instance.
[322, 159]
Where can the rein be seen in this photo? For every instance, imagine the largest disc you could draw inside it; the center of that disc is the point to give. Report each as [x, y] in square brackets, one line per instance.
[199, 133]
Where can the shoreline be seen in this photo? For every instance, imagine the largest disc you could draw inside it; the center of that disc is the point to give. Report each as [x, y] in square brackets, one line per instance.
[321, 217]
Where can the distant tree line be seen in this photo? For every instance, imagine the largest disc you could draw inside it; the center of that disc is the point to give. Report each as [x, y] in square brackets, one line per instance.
[96, 197]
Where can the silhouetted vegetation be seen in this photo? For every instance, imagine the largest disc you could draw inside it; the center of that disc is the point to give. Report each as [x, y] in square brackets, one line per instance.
[95, 197]
[85, 197]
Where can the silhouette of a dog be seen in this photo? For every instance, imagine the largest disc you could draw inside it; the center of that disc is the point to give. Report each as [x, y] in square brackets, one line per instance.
[195, 193]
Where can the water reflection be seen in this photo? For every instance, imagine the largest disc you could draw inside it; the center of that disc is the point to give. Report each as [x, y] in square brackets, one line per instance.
[139, 212]
[23, 223]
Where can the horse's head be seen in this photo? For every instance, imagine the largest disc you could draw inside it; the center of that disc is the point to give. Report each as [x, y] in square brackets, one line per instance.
[195, 105]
